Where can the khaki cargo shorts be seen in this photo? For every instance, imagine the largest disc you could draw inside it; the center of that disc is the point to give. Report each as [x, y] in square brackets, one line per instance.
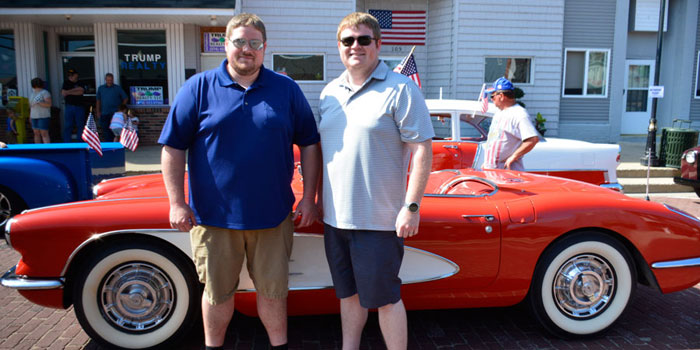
[218, 255]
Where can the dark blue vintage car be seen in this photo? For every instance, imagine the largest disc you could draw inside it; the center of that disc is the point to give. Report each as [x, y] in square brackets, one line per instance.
[37, 175]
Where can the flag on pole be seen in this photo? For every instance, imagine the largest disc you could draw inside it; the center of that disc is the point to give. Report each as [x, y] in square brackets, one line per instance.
[90, 134]
[408, 68]
[129, 137]
[484, 99]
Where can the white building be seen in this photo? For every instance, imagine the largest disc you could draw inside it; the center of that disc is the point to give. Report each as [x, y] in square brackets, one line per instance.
[584, 65]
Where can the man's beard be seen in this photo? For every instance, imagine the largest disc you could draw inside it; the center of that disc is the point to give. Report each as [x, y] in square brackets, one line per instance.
[244, 69]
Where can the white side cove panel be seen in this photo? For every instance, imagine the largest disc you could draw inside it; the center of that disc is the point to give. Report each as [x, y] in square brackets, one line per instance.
[308, 268]
[26, 56]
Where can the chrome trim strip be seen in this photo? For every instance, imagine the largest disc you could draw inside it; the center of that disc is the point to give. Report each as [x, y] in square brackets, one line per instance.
[686, 215]
[104, 234]
[671, 264]
[80, 202]
[530, 170]
[614, 186]
[466, 178]
[11, 280]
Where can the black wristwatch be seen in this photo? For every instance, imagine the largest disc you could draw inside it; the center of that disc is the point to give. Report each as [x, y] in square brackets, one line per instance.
[412, 207]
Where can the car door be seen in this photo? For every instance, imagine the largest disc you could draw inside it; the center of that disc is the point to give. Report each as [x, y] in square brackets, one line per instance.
[446, 149]
[465, 230]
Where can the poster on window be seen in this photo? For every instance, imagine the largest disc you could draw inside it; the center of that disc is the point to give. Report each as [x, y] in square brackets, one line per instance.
[146, 95]
[214, 42]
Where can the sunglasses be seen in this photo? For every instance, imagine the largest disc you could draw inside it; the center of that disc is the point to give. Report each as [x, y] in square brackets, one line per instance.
[363, 40]
[254, 44]
[495, 94]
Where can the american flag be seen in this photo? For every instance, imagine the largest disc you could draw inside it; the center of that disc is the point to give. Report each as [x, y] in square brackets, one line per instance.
[401, 27]
[409, 69]
[129, 137]
[90, 135]
[484, 98]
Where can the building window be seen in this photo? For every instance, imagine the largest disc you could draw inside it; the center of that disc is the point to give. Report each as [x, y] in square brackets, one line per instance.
[78, 53]
[586, 73]
[8, 66]
[517, 70]
[392, 62]
[143, 66]
[300, 67]
[697, 78]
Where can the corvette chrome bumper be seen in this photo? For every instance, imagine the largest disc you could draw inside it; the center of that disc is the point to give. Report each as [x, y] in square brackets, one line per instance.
[692, 262]
[11, 280]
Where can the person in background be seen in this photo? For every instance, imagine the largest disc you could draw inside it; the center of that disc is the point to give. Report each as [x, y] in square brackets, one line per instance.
[40, 111]
[109, 97]
[371, 121]
[118, 121]
[511, 134]
[12, 125]
[238, 123]
[74, 115]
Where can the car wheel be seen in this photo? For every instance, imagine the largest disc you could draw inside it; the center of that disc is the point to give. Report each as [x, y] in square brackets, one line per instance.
[582, 285]
[137, 295]
[10, 205]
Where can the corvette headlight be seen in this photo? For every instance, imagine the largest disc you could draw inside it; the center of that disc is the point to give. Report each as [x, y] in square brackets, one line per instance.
[691, 157]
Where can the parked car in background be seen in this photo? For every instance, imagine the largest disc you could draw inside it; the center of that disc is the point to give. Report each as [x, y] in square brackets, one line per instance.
[461, 127]
[574, 251]
[689, 169]
[36, 175]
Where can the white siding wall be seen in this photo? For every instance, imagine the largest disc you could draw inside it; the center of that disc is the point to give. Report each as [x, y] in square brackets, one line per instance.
[303, 27]
[442, 32]
[527, 28]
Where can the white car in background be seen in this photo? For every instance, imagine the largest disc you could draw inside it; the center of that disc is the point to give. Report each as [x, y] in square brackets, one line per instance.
[461, 129]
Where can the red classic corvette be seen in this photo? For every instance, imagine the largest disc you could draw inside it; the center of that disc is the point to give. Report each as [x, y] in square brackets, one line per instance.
[574, 251]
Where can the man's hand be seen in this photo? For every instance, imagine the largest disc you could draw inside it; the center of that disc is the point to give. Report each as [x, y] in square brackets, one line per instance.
[308, 211]
[407, 223]
[181, 217]
[509, 161]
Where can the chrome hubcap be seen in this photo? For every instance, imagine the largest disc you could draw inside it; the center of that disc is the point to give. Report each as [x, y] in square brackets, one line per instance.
[137, 297]
[5, 209]
[584, 286]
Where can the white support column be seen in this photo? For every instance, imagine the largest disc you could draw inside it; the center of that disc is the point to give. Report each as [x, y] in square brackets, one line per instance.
[176, 59]
[106, 60]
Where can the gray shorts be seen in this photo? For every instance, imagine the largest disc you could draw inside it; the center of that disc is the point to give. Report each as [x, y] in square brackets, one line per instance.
[366, 263]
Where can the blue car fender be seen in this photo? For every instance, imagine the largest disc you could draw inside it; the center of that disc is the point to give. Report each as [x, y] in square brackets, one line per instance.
[37, 182]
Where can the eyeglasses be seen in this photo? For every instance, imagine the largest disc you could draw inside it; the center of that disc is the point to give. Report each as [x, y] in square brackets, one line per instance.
[363, 40]
[255, 44]
[495, 94]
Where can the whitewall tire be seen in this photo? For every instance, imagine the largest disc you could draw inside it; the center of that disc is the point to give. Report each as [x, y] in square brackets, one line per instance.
[582, 285]
[136, 295]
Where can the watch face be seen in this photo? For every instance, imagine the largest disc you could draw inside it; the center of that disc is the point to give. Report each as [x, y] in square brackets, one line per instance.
[413, 207]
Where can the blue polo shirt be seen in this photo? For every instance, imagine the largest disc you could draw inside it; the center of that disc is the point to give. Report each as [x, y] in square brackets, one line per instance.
[239, 144]
[110, 98]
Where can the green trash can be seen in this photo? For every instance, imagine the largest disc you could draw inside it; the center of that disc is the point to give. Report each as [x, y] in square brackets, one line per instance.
[674, 141]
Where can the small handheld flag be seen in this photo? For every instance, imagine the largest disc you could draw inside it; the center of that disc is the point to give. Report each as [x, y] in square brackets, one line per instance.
[90, 134]
[408, 68]
[129, 137]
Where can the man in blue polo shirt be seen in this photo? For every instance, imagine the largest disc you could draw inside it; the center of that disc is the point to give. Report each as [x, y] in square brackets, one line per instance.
[109, 97]
[238, 123]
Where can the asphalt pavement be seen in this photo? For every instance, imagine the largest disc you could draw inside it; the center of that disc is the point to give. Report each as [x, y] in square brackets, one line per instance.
[653, 320]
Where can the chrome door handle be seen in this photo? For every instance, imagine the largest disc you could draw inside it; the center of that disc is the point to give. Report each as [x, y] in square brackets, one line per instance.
[451, 146]
[488, 218]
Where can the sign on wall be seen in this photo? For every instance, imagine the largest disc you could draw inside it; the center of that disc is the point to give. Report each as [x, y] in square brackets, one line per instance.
[146, 95]
[214, 41]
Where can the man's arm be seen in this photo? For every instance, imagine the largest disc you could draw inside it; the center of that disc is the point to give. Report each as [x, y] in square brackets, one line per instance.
[98, 110]
[310, 168]
[173, 167]
[527, 146]
[74, 91]
[407, 222]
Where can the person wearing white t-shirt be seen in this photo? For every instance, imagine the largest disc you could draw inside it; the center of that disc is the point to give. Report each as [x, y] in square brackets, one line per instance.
[511, 134]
